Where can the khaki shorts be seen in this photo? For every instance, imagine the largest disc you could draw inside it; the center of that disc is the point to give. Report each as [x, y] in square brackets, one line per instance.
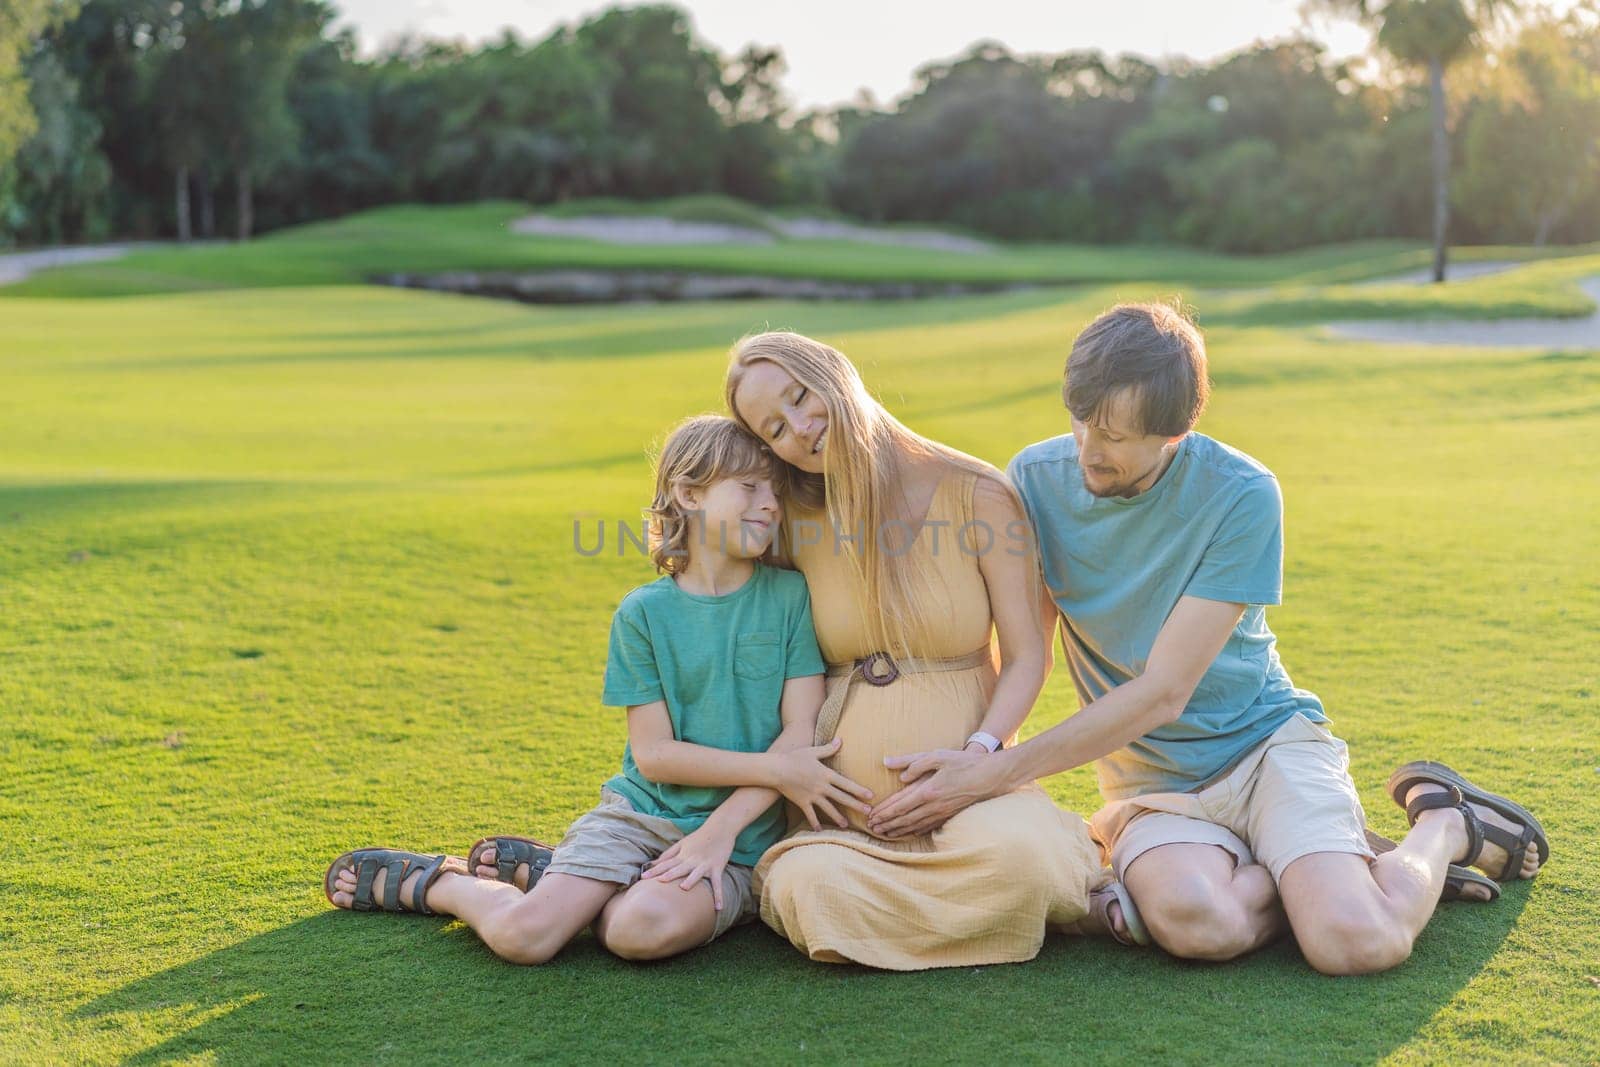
[613, 842]
[1290, 796]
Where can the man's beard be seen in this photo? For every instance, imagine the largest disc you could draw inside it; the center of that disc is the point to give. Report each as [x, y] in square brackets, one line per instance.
[1120, 489]
[1125, 490]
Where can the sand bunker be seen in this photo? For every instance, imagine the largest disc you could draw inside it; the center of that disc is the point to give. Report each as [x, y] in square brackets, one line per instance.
[1581, 333]
[651, 230]
[1455, 272]
[627, 286]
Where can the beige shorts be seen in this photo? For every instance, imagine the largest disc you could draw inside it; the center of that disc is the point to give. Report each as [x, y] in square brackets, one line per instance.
[613, 842]
[1290, 796]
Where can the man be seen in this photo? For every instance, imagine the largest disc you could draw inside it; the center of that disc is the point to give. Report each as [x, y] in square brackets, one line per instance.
[1229, 808]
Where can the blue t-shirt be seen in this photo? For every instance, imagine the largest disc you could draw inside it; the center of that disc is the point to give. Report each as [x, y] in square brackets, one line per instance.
[1212, 527]
[719, 662]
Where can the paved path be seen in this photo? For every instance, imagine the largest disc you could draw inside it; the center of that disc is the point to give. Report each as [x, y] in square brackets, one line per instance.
[1495, 333]
[18, 266]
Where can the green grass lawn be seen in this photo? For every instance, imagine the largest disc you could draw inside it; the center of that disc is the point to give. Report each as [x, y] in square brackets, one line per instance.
[289, 570]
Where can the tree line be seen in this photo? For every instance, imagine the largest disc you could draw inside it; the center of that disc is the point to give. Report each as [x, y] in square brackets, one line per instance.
[180, 118]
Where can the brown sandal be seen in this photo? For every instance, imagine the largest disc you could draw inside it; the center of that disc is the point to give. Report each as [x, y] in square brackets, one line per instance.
[1456, 877]
[1461, 794]
[511, 852]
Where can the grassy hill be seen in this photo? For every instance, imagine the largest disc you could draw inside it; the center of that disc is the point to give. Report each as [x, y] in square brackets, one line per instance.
[475, 237]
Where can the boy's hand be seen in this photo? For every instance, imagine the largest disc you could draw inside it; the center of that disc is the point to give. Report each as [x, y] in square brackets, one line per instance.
[703, 853]
[813, 786]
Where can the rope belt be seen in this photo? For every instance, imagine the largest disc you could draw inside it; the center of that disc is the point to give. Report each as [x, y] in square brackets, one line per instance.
[881, 669]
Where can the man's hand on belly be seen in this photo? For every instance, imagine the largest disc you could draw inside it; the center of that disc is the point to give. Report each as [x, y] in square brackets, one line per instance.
[941, 784]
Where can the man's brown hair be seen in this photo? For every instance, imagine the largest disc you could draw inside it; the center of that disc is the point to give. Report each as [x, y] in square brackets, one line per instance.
[1153, 349]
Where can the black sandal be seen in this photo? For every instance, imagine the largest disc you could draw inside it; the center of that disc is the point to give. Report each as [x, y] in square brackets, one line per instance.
[1461, 794]
[1456, 877]
[510, 853]
[367, 862]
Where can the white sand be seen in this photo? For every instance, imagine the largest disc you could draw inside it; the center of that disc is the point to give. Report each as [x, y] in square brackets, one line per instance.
[1581, 333]
[651, 230]
[1454, 272]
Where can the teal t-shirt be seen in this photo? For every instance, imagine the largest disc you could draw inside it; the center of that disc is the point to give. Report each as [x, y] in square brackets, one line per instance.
[719, 662]
[1212, 527]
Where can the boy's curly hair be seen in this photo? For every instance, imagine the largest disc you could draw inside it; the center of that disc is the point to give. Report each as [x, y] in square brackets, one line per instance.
[699, 451]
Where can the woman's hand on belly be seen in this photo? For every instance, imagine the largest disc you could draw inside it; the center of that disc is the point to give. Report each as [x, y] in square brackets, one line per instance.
[941, 784]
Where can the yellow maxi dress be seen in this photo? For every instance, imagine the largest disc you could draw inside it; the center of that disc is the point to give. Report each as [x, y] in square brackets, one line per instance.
[984, 887]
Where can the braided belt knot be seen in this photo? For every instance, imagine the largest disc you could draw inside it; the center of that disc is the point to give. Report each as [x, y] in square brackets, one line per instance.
[881, 669]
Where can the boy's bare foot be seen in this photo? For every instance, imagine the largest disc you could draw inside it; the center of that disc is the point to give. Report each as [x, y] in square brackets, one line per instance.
[344, 883]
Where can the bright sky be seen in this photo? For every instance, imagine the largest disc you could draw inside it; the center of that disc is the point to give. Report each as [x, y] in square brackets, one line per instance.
[835, 47]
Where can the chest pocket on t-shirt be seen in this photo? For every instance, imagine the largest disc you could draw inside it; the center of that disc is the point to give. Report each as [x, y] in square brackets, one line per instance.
[755, 655]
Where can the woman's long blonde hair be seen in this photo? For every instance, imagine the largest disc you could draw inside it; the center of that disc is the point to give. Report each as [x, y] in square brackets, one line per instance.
[865, 460]
[700, 450]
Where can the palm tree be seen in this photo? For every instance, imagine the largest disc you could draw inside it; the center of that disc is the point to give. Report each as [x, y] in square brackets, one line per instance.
[1431, 34]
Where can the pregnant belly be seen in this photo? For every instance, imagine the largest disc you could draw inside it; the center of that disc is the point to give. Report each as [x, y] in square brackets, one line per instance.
[904, 718]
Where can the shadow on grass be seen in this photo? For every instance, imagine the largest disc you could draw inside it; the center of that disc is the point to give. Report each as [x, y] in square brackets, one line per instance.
[31, 497]
[88, 498]
[367, 988]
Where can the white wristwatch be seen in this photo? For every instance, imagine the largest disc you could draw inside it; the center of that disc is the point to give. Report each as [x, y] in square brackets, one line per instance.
[988, 741]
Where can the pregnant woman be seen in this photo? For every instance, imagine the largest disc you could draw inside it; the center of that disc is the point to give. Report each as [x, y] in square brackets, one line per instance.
[915, 555]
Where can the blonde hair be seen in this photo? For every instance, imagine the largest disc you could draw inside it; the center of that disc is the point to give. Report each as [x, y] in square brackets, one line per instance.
[866, 458]
[698, 452]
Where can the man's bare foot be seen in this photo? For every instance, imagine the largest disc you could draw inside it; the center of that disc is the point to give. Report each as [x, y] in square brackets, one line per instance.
[1492, 859]
[344, 883]
[1106, 917]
